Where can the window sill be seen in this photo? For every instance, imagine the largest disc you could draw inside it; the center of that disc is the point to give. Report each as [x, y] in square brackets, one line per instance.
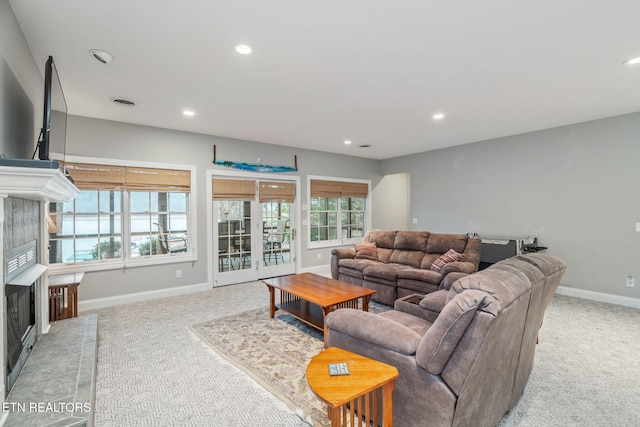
[106, 265]
[332, 243]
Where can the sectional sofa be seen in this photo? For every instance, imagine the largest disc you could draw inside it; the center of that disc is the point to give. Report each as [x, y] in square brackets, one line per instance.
[464, 354]
[399, 263]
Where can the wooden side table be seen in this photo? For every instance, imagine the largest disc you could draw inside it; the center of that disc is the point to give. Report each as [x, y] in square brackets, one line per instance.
[368, 382]
[63, 296]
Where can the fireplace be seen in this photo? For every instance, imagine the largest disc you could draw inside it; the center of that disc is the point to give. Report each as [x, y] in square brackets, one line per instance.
[24, 192]
[21, 273]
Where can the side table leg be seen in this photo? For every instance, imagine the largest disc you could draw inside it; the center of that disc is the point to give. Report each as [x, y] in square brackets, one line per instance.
[334, 416]
[387, 404]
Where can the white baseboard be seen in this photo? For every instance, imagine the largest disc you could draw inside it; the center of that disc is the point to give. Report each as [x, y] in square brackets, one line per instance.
[94, 304]
[599, 296]
[318, 269]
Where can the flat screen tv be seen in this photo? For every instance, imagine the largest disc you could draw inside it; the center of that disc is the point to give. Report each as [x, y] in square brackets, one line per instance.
[54, 117]
[53, 134]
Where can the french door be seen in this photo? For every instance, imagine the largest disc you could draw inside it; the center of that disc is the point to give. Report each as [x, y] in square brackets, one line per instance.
[253, 229]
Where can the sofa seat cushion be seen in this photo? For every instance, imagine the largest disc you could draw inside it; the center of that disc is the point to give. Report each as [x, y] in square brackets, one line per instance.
[417, 324]
[383, 273]
[418, 275]
[355, 267]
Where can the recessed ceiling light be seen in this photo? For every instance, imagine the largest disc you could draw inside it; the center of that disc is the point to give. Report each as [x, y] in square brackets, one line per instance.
[243, 49]
[438, 116]
[347, 142]
[101, 55]
[632, 61]
[189, 113]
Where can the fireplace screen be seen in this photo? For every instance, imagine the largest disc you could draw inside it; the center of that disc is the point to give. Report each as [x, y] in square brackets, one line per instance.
[21, 273]
[20, 318]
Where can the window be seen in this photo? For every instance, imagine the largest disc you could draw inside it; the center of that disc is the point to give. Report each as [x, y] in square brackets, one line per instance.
[337, 211]
[122, 213]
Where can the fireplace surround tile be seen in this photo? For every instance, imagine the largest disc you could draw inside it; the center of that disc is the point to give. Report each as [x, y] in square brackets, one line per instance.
[60, 371]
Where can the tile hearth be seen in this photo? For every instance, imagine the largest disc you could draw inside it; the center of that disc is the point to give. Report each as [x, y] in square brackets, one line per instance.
[57, 384]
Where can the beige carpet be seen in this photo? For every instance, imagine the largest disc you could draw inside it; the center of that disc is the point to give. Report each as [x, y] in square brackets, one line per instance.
[153, 371]
[571, 384]
[274, 352]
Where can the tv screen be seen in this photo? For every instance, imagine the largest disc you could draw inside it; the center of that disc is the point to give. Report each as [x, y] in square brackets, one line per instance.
[54, 119]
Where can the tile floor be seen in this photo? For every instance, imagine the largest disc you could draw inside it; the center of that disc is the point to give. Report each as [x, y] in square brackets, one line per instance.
[57, 384]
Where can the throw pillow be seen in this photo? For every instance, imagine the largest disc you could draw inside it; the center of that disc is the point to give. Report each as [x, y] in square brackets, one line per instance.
[446, 258]
[367, 251]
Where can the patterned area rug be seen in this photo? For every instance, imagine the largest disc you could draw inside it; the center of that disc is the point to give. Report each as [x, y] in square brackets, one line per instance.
[275, 352]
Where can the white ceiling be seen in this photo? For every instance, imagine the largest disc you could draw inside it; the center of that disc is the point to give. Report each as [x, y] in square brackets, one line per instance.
[371, 71]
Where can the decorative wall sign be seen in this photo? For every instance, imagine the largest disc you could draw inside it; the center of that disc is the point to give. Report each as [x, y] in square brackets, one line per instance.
[255, 167]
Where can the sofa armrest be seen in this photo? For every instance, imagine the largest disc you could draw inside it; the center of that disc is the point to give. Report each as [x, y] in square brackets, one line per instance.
[435, 301]
[336, 255]
[459, 267]
[450, 279]
[373, 329]
[411, 304]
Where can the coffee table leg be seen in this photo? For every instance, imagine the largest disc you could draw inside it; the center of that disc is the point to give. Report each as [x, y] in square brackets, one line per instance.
[325, 311]
[365, 303]
[272, 302]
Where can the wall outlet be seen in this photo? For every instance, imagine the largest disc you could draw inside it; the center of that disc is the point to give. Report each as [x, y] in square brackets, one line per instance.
[178, 274]
[631, 282]
[414, 220]
[319, 255]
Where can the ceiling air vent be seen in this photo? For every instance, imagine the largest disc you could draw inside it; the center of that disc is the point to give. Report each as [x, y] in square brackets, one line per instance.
[122, 101]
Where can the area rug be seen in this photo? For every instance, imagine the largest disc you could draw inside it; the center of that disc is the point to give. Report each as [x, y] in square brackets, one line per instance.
[274, 352]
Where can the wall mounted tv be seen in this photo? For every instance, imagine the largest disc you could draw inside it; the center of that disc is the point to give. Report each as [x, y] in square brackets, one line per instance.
[53, 134]
[54, 117]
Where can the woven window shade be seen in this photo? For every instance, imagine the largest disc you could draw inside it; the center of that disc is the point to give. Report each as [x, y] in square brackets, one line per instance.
[234, 189]
[164, 180]
[321, 188]
[355, 189]
[108, 177]
[325, 188]
[97, 177]
[271, 191]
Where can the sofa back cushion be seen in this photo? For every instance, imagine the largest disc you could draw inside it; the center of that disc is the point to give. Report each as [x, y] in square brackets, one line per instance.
[411, 240]
[384, 241]
[440, 243]
[441, 339]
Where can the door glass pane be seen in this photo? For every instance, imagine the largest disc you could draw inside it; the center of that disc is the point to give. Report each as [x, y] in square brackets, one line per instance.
[234, 235]
[276, 239]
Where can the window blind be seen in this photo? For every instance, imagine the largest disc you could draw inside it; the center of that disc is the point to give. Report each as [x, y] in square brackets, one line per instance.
[108, 177]
[234, 189]
[272, 191]
[322, 188]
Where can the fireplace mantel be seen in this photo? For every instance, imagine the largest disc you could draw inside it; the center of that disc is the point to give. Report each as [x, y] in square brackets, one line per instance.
[48, 185]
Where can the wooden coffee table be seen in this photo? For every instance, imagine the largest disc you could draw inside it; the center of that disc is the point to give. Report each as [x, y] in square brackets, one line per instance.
[309, 297]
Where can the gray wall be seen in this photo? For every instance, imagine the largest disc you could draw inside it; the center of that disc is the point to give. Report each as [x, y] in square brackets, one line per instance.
[114, 140]
[574, 187]
[21, 90]
[391, 203]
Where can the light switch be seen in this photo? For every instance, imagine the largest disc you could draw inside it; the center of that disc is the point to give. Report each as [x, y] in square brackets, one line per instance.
[638, 227]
